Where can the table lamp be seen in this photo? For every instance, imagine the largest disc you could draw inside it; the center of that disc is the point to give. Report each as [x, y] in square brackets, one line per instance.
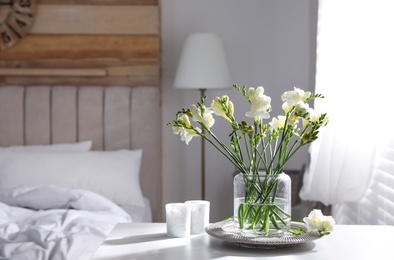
[202, 66]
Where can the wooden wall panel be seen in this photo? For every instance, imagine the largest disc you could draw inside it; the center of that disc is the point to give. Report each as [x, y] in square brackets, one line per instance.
[75, 81]
[100, 19]
[105, 42]
[101, 2]
[79, 47]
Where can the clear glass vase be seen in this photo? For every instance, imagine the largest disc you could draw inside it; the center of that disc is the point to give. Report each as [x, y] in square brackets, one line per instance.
[262, 203]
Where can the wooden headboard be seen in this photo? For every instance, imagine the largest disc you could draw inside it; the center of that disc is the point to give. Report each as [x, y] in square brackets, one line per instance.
[112, 117]
[94, 64]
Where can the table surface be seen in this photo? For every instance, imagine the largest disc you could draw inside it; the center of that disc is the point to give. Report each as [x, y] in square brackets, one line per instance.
[149, 241]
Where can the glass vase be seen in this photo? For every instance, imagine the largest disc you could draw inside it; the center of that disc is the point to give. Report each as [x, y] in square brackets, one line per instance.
[262, 203]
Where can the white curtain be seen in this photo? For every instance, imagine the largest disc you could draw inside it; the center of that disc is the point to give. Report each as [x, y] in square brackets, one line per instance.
[355, 73]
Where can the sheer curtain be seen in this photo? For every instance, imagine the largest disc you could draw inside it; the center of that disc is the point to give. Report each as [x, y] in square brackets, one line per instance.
[355, 72]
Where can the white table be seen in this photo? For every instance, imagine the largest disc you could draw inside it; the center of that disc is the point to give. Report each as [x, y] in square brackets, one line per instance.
[149, 241]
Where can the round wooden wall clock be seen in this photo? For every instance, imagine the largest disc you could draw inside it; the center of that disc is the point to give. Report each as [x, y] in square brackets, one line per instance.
[16, 18]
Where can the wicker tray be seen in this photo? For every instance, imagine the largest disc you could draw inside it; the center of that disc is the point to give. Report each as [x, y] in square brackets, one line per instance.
[227, 232]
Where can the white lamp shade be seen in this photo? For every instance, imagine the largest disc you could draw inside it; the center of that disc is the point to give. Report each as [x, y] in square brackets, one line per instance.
[202, 64]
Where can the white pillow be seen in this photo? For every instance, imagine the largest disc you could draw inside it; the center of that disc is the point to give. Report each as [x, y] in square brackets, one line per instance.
[112, 174]
[72, 147]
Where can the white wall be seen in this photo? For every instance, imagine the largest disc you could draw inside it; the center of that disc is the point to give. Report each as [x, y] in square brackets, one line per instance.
[267, 42]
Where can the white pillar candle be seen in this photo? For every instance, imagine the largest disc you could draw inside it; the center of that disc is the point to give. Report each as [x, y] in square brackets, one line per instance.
[178, 219]
[199, 215]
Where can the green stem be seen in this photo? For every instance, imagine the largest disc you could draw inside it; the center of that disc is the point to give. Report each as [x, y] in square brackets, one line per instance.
[226, 151]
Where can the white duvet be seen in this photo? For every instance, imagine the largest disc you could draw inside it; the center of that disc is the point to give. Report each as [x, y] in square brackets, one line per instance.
[54, 223]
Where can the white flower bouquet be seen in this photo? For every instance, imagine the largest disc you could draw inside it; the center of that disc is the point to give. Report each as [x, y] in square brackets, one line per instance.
[256, 146]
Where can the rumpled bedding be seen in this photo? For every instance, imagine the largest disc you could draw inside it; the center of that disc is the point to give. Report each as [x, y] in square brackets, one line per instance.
[55, 223]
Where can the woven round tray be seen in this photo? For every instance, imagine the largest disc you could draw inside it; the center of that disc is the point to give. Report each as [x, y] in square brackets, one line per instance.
[227, 232]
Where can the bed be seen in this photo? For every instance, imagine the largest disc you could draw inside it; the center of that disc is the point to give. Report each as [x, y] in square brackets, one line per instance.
[74, 161]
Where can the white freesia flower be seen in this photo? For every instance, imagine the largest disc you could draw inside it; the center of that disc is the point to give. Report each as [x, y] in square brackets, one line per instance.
[277, 123]
[293, 120]
[186, 130]
[176, 130]
[188, 134]
[302, 108]
[317, 221]
[206, 119]
[184, 120]
[314, 117]
[295, 96]
[261, 104]
[220, 105]
[328, 223]
[286, 108]
[305, 123]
